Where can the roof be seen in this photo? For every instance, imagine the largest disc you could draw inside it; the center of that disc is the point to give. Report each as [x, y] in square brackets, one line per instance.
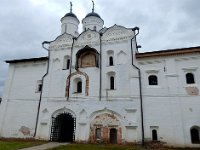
[93, 14]
[27, 60]
[70, 14]
[169, 52]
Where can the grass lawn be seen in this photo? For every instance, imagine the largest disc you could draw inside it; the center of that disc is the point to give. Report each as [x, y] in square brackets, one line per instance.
[93, 147]
[15, 144]
[107, 147]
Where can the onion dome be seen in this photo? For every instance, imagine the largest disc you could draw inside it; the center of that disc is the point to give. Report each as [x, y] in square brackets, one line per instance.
[70, 23]
[92, 14]
[92, 21]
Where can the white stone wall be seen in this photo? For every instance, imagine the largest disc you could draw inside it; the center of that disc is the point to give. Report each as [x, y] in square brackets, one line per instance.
[20, 99]
[167, 106]
[69, 25]
[92, 23]
[171, 107]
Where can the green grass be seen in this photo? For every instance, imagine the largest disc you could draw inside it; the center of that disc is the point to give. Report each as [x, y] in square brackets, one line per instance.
[94, 147]
[108, 147]
[14, 144]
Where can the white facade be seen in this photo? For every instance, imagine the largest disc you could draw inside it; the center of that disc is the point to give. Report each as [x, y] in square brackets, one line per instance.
[91, 84]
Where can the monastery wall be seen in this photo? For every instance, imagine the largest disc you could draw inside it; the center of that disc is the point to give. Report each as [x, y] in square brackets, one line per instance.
[20, 99]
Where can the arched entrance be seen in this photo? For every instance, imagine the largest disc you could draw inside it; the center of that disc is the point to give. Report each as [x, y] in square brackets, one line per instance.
[63, 127]
[154, 135]
[113, 136]
[195, 136]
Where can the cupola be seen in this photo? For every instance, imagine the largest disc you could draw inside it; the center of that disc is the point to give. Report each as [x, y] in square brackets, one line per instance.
[92, 21]
[70, 23]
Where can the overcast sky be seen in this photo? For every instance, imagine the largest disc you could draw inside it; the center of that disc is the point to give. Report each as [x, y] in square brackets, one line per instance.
[25, 24]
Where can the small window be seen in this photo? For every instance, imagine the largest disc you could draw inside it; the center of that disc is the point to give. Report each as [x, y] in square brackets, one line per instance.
[39, 86]
[95, 28]
[98, 133]
[153, 80]
[195, 136]
[68, 63]
[112, 83]
[111, 61]
[154, 135]
[190, 78]
[79, 87]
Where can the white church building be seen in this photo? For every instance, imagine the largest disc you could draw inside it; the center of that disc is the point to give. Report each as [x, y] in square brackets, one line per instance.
[95, 86]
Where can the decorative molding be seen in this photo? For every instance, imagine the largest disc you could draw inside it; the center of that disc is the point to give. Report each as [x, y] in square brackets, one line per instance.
[130, 110]
[88, 38]
[86, 84]
[117, 33]
[61, 42]
[188, 69]
[152, 71]
[171, 75]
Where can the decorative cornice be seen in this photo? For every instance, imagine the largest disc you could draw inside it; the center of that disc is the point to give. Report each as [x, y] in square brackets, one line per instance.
[169, 52]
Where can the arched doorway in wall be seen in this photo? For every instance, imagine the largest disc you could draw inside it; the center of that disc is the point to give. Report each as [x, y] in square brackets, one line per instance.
[63, 128]
[195, 136]
[154, 135]
[113, 136]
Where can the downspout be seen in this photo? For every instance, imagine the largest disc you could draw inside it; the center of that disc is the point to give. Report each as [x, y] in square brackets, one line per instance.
[38, 110]
[100, 67]
[140, 85]
[70, 69]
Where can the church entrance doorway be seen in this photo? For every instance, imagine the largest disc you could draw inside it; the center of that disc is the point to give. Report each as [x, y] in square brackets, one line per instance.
[63, 127]
[113, 136]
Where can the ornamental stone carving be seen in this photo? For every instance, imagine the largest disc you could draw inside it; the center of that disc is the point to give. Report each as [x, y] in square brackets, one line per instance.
[87, 38]
[117, 33]
[63, 41]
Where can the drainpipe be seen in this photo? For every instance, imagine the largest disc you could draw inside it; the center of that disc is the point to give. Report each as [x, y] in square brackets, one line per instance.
[140, 85]
[38, 110]
[100, 84]
[70, 69]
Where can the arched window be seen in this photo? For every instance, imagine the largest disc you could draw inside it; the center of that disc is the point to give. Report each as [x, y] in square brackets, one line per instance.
[79, 87]
[112, 83]
[190, 78]
[87, 57]
[111, 61]
[68, 63]
[154, 135]
[98, 133]
[194, 135]
[153, 80]
[110, 58]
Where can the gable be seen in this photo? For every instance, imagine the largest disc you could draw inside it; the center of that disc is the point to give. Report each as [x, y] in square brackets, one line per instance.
[87, 38]
[63, 41]
[117, 33]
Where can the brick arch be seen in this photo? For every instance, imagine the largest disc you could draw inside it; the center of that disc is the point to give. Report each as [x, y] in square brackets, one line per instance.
[105, 120]
[86, 84]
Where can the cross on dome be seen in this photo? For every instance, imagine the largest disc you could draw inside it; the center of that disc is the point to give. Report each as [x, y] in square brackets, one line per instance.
[71, 7]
